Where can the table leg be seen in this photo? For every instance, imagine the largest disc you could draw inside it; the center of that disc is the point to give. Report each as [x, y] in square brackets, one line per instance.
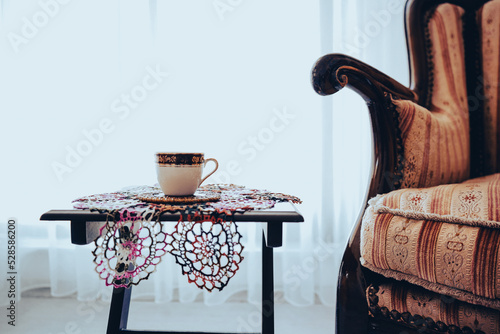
[267, 288]
[118, 311]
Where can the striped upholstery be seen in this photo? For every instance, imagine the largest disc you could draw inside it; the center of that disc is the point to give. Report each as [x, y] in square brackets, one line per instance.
[435, 232]
[436, 140]
[444, 238]
[489, 23]
[409, 301]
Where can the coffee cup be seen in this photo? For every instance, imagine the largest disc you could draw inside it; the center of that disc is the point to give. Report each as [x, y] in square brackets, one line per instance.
[180, 174]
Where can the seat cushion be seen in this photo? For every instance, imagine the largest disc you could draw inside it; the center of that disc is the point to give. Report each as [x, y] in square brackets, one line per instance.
[444, 238]
[419, 308]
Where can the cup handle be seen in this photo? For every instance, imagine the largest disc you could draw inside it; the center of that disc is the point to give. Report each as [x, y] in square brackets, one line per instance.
[216, 167]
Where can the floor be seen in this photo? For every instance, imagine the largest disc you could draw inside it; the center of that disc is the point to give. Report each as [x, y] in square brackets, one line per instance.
[39, 313]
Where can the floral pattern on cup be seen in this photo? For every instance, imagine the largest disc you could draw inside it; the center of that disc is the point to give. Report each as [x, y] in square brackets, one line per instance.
[180, 159]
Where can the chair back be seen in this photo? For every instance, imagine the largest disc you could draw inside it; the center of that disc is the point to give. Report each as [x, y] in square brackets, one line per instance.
[454, 56]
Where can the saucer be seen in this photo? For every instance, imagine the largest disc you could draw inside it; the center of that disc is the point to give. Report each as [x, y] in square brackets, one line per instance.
[160, 197]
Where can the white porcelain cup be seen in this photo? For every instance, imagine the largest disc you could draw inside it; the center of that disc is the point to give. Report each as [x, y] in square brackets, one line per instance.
[180, 174]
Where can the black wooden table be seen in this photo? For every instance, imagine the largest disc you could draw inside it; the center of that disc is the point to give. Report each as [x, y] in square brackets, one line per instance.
[85, 227]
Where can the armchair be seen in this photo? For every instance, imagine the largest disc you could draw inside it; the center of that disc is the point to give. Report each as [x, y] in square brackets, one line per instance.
[432, 219]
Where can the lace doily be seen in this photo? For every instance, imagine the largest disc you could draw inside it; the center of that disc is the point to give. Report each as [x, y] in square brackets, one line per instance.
[208, 250]
[129, 248]
[206, 245]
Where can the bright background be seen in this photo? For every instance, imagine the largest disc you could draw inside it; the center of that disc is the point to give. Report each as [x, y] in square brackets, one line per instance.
[68, 68]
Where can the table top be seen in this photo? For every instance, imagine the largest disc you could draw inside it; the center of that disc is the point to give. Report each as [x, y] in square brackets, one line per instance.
[86, 224]
[281, 212]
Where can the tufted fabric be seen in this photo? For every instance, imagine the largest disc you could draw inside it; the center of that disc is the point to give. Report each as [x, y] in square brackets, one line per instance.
[489, 23]
[411, 302]
[444, 238]
[436, 140]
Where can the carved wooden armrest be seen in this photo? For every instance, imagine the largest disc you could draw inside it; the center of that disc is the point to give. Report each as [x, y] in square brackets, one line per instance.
[333, 72]
[330, 74]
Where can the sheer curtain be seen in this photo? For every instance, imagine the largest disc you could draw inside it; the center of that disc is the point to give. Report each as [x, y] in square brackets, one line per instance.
[92, 89]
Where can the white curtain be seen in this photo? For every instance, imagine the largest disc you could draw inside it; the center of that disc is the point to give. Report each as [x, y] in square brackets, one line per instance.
[91, 89]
